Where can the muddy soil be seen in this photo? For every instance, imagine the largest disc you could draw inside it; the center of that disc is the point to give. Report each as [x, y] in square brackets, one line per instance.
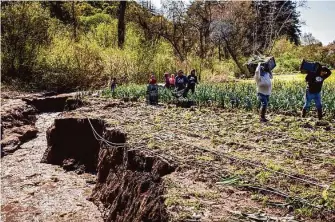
[33, 191]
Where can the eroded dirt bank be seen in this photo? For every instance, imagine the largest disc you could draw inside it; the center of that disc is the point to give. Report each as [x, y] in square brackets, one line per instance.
[207, 186]
[129, 183]
[18, 116]
[17, 125]
[33, 191]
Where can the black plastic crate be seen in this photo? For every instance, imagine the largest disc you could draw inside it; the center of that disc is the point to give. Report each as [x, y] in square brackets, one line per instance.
[268, 62]
[310, 66]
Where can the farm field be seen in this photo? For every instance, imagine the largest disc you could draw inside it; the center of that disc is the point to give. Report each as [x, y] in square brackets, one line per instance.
[230, 166]
[286, 98]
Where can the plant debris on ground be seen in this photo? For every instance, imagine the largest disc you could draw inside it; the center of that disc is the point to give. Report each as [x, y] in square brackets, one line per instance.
[229, 161]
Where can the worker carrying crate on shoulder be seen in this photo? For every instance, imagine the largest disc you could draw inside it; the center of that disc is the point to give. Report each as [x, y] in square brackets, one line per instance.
[316, 74]
[152, 91]
[262, 68]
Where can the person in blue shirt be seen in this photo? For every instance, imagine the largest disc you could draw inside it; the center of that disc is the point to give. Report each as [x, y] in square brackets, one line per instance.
[181, 82]
[313, 90]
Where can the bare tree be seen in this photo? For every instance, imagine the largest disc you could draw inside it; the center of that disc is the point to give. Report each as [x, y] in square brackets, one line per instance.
[309, 39]
[121, 23]
[176, 30]
[231, 22]
[274, 19]
[74, 20]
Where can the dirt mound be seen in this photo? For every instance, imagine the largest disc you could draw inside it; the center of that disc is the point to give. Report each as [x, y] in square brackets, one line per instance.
[129, 185]
[17, 113]
[16, 136]
[17, 125]
[18, 116]
[71, 144]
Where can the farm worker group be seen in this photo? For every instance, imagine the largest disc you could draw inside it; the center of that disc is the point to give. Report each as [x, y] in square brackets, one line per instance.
[314, 79]
[182, 84]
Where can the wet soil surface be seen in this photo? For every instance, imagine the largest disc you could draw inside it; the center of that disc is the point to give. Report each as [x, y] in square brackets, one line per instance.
[34, 191]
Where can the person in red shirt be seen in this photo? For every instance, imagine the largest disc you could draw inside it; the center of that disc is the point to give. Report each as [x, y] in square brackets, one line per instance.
[167, 80]
[172, 81]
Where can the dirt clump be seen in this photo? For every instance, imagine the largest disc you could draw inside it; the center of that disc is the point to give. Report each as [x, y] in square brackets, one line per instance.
[16, 136]
[72, 144]
[17, 125]
[129, 185]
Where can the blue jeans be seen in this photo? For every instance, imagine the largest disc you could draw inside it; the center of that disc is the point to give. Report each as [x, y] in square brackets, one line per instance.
[312, 96]
[264, 99]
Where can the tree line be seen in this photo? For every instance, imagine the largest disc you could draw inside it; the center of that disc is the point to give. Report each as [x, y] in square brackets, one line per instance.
[71, 45]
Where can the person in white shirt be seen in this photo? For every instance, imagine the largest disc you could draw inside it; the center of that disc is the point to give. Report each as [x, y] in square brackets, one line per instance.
[263, 78]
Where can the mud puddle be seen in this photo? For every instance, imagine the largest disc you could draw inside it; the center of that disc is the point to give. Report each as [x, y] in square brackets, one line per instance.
[33, 191]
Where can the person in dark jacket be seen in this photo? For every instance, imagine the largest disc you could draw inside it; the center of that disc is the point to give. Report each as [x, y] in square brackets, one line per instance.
[192, 80]
[313, 90]
[152, 91]
[113, 85]
[181, 83]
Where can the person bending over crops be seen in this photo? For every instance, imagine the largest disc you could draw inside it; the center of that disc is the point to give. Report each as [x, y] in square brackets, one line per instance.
[313, 90]
[181, 83]
[192, 80]
[263, 78]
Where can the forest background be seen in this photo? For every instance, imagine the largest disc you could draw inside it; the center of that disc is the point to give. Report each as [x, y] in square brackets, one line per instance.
[67, 46]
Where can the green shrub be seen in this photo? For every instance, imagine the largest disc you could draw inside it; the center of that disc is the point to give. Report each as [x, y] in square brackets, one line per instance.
[67, 65]
[24, 31]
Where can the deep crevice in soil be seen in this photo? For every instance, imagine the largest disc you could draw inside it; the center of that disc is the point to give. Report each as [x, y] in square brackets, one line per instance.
[129, 185]
[72, 145]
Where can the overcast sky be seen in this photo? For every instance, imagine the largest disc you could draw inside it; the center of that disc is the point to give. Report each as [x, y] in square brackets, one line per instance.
[319, 17]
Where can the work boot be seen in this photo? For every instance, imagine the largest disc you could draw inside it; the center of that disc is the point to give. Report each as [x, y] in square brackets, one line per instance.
[303, 113]
[320, 114]
[262, 113]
